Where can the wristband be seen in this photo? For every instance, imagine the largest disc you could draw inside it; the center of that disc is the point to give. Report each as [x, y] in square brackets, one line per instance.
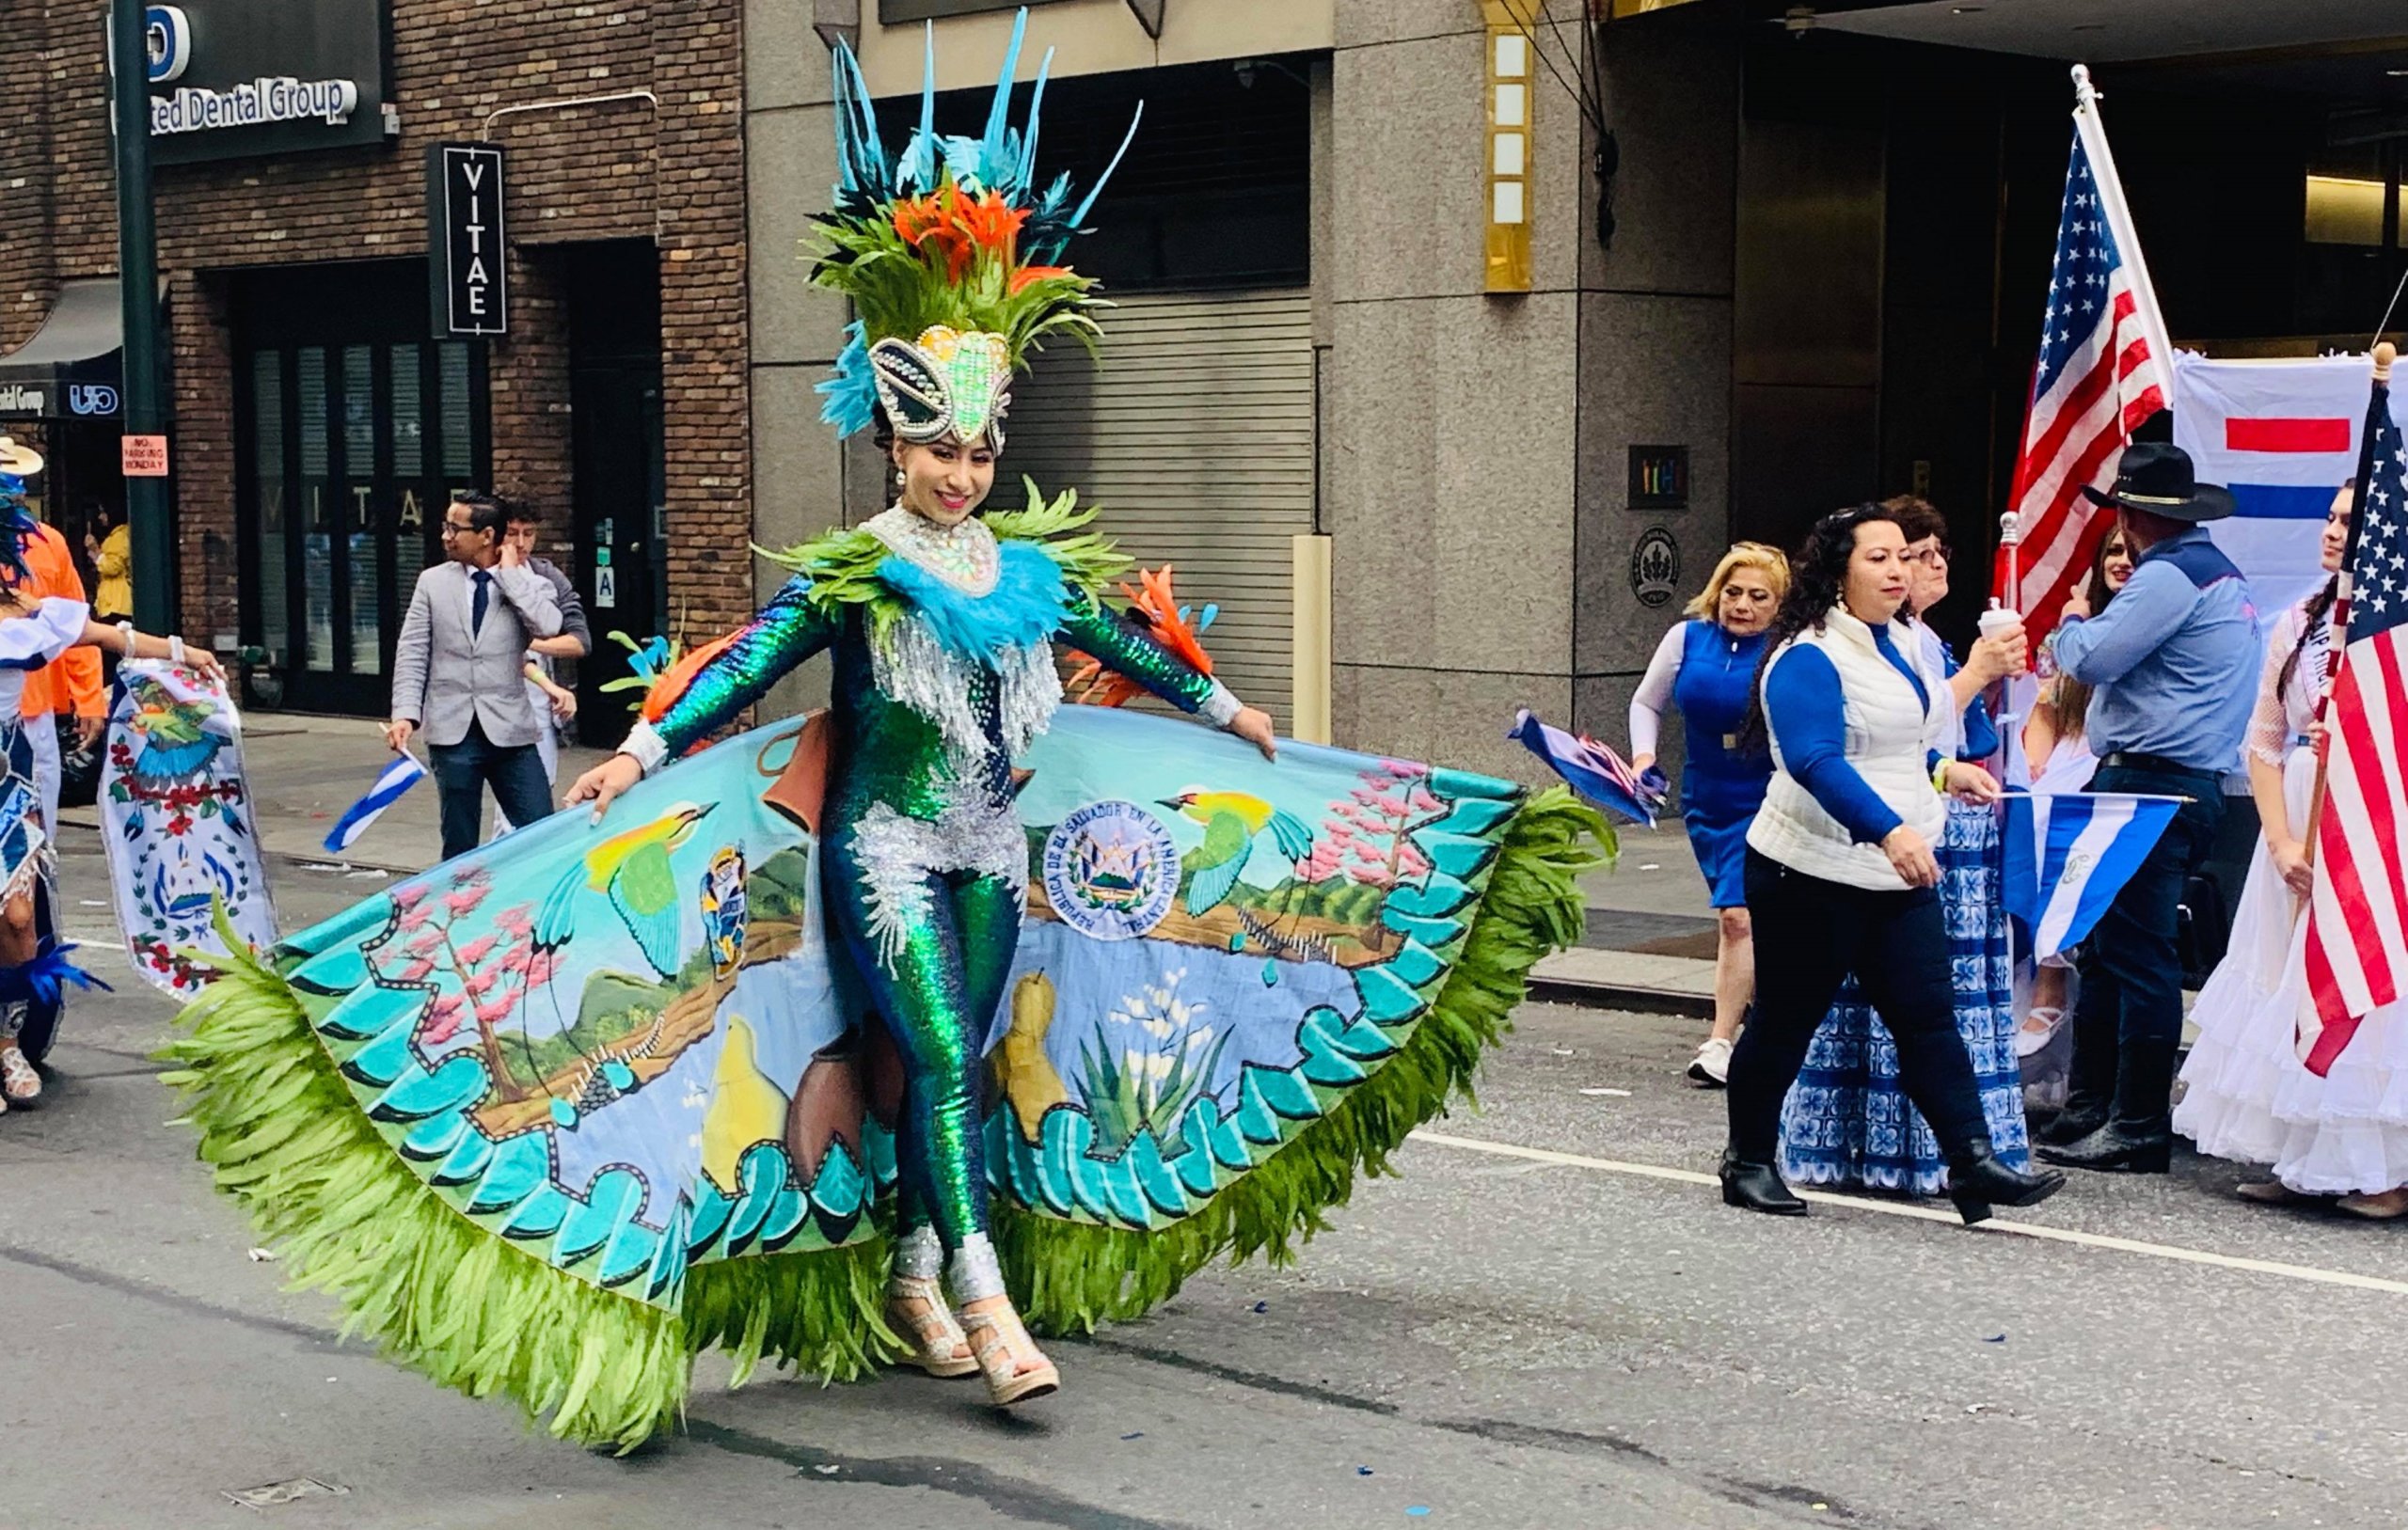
[125, 630]
[1939, 777]
[175, 650]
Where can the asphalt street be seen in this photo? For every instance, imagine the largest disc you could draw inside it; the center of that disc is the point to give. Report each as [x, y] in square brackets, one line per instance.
[1547, 1320]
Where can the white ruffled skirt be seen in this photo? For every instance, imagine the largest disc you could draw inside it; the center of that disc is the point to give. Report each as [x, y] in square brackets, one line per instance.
[2248, 1096]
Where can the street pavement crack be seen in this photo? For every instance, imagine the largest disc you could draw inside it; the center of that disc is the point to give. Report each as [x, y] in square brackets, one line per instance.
[1803, 1504]
[1008, 1496]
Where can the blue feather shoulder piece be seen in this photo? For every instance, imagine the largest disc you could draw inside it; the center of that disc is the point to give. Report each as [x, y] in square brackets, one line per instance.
[1026, 607]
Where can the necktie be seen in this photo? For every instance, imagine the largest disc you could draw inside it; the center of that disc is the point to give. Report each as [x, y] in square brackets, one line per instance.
[477, 607]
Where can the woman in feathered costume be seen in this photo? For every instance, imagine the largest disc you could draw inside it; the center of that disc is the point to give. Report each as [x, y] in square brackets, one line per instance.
[941, 624]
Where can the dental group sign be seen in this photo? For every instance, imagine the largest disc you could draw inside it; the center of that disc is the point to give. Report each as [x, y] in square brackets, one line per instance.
[238, 78]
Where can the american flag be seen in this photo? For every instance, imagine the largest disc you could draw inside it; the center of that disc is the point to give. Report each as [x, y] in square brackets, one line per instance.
[2357, 919]
[2103, 369]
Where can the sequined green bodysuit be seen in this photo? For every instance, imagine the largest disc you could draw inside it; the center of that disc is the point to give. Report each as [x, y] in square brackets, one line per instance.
[926, 863]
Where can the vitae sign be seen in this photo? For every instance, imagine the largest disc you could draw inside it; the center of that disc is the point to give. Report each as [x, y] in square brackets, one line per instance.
[464, 240]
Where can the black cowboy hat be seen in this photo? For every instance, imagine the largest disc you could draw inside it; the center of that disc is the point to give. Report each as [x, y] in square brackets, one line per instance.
[2155, 477]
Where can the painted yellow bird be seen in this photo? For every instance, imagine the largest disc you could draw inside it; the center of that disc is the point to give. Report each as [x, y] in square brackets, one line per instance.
[1022, 1071]
[632, 869]
[1233, 821]
[746, 1107]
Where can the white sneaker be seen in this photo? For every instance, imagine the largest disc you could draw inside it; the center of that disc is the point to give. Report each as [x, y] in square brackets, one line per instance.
[1711, 1067]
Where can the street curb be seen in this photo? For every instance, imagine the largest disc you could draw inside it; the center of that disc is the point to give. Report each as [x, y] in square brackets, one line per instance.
[1629, 997]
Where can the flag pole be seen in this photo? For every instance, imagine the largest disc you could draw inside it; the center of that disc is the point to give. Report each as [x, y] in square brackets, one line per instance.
[2110, 186]
[2338, 657]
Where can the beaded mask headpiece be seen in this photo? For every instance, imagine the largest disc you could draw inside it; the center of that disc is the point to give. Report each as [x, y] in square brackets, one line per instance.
[946, 250]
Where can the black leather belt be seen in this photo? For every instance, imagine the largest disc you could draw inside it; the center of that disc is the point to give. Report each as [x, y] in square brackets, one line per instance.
[2133, 760]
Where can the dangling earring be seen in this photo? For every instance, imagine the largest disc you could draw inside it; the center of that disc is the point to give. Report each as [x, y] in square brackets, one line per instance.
[901, 478]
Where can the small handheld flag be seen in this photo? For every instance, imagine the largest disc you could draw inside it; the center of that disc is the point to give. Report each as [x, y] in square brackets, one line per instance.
[391, 784]
[1594, 770]
[2069, 853]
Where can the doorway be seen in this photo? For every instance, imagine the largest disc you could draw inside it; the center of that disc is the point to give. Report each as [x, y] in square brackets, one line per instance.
[619, 485]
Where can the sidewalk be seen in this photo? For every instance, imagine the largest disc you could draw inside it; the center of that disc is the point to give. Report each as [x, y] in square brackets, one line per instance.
[1650, 941]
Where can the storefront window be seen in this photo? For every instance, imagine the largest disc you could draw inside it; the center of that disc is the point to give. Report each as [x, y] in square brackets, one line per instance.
[2351, 198]
[267, 453]
[359, 507]
[412, 516]
[317, 538]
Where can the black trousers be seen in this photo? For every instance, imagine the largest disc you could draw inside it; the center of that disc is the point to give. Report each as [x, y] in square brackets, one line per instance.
[463, 770]
[1811, 933]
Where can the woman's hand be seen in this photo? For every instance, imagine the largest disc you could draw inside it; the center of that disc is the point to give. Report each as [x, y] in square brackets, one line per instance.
[1911, 857]
[2318, 735]
[2002, 653]
[1253, 724]
[198, 657]
[1639, 764]
[602, 785]
[2291, 863]
[1968, 783]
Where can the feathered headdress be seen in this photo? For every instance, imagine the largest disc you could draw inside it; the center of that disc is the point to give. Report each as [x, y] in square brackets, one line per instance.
[18, 528]
[948, 252]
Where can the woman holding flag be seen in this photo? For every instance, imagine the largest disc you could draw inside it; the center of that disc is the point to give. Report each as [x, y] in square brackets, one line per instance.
[2248, 1095]
[1707, 667]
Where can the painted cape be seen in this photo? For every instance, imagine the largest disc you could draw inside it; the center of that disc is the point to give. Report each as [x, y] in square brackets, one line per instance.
[556, 1168]
[176, 817]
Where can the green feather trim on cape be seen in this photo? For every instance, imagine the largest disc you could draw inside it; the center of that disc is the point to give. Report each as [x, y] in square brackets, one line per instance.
[450, 1298]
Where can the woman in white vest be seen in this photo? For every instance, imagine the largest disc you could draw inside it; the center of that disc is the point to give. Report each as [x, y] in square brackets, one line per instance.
[1842, 878]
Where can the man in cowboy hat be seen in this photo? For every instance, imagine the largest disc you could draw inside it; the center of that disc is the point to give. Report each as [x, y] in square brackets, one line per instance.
[2172, 660]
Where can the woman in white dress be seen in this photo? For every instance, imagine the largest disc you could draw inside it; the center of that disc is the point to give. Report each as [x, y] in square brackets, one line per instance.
[2248, 1096]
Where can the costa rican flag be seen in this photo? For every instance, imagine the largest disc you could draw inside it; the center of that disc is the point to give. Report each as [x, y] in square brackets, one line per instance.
[2282, 435]
[2357, 914]
[2069, 853]
[2103, 370]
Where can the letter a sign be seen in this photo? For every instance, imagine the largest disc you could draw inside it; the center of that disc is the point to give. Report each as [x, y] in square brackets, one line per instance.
[466, 255]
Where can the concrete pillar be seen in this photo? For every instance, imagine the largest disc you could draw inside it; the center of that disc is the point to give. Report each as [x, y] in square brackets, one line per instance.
[797, 329]
[1450, 414]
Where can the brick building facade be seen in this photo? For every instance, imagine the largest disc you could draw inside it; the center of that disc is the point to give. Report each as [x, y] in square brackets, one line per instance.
[654, 178]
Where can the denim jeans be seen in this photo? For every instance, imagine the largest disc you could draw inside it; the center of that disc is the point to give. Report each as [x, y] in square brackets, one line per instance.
[2128, 1024]
[462, 770]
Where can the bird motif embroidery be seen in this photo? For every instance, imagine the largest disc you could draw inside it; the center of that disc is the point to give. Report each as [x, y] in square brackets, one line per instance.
[176, 738]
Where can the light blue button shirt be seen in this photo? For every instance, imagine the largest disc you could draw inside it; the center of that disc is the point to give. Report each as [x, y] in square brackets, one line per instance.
[2174, 658]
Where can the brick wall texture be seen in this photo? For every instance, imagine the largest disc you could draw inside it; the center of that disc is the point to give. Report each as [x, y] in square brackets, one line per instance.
[620, 171]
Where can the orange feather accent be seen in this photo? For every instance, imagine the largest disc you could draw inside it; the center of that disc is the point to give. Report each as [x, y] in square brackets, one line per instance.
[1154, 607]
[673, 680]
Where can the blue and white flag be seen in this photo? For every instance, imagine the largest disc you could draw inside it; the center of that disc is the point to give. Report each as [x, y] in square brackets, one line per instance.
[397, 779]
[2069, 853]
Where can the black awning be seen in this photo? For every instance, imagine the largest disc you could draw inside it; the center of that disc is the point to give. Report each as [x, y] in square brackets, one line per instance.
[71, 369]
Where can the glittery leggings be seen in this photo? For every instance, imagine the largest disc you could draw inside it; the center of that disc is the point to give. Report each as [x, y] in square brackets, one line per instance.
[937, 995]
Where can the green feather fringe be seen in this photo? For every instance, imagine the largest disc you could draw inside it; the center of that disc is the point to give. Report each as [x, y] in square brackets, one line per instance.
[1069, 1276]
[450, 1298]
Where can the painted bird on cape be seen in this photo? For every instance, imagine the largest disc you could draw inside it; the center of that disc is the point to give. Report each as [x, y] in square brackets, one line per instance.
[632, 869]
[176, 740]
[1233, 821]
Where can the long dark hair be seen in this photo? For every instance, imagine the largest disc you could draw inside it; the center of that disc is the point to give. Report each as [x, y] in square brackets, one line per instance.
[2064, 704]
[1817, 580]
[2318, 609]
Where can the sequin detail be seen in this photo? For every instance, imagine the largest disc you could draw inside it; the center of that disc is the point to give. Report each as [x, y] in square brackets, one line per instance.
[900, 857]
[919, 1254]
[977, 1274]
[963, 555]
[913, 667]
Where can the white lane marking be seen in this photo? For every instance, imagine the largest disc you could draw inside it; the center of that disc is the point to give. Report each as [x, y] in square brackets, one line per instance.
[1924, 1213]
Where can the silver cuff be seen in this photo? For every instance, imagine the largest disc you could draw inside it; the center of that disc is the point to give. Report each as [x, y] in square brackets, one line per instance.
[1221, 707]
[919, 1254]
[645, 747]
[977, 1273]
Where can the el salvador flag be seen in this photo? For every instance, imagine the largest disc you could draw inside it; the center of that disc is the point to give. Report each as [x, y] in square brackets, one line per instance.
[2069, 853]
[397, 779]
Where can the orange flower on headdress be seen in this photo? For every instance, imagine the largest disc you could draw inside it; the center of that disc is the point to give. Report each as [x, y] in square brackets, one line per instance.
[1028, 273]
[993, 224]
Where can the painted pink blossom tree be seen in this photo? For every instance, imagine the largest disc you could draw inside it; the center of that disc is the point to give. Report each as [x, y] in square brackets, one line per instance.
[480, 981]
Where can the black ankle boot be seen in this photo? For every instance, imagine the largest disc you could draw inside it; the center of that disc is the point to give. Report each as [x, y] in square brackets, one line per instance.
[1758, 1186]
[2079, 1119]
[2115, 1149]
[1977, 1180]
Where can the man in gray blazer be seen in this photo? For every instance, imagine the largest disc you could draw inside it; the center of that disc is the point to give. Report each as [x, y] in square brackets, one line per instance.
[460, 670]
